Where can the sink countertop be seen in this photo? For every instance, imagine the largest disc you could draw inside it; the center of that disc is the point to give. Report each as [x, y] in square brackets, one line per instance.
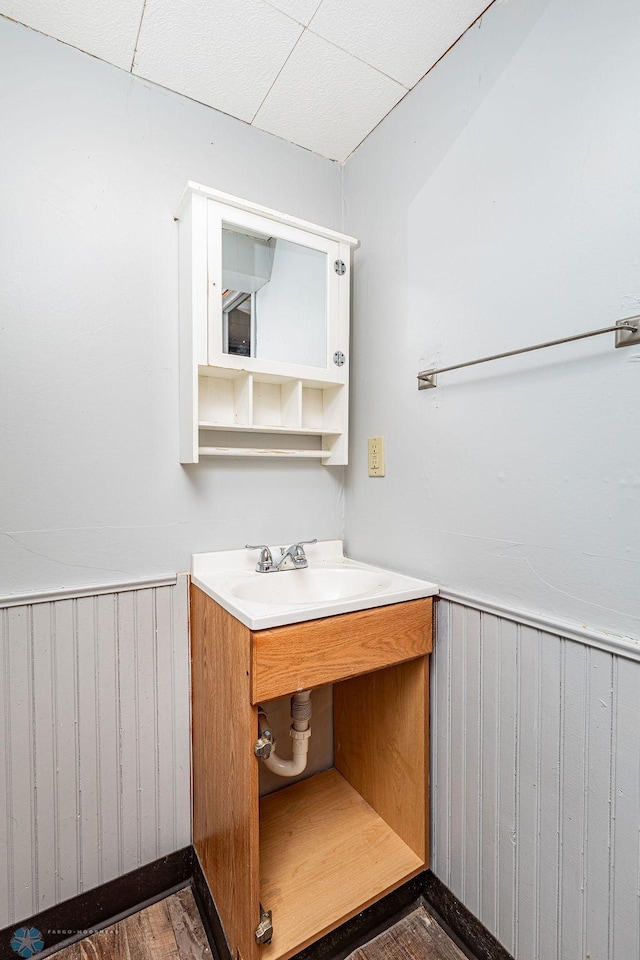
[229, 577]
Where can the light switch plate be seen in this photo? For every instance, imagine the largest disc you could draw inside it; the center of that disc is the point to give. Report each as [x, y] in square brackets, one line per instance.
[376, 456]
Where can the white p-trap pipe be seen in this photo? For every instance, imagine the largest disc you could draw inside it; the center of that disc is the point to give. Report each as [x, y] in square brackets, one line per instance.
[299, 733]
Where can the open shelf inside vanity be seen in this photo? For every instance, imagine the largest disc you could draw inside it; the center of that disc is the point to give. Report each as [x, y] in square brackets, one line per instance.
[325, 854]
[336, 842]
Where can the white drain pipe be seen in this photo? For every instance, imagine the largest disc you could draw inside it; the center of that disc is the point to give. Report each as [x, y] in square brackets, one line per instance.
[299, 733]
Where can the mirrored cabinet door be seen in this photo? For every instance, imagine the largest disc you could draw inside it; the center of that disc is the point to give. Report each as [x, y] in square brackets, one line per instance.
[274, 296]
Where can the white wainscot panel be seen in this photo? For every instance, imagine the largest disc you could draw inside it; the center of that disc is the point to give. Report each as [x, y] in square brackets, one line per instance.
[536, 785]
[94, 745]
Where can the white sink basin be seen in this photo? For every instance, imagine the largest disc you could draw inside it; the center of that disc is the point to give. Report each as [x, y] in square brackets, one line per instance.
[312, 585]
[330, 585]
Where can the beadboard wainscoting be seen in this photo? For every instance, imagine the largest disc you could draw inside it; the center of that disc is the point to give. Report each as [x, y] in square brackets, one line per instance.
[94, 747]
[536, 785]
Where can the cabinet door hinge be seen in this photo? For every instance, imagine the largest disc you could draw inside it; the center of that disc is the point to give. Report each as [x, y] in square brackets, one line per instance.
[264, 930]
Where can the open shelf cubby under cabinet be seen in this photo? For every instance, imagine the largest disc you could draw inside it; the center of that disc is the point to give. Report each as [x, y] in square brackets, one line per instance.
[316, 852]
[285, 416]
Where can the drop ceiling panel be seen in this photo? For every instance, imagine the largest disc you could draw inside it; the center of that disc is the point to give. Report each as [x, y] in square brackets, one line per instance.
[104, 28]
[326, 100]
[300, 10]
[320, 73]
[225, 53]
[403, 38]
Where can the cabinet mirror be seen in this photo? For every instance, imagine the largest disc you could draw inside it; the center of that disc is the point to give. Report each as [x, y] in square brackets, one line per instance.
[274, 299]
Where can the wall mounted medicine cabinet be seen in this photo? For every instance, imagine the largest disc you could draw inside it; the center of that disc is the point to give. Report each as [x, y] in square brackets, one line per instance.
[264, 332]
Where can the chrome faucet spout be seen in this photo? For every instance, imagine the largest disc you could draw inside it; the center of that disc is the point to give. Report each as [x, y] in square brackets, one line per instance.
[294, 557]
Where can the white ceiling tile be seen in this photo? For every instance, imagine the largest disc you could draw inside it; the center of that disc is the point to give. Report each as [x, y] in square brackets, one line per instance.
[300, 10]
[403, 38]
[225, 53]
[326, 100]
[104, 28]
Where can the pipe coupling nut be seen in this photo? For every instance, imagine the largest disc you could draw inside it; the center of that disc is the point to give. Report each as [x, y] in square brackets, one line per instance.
[299, 734]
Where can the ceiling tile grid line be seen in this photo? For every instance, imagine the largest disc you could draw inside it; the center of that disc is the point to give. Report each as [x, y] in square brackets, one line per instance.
[275, 79]
[361, 59]
[310, 13]
[135, 48]
[226, 54]
[105, 29]
[302, 11]
[326, 100]
[403, 39]
[338, 47]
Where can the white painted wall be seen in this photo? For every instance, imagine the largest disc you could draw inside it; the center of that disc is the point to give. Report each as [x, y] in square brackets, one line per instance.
[92, 166]
[497, 206]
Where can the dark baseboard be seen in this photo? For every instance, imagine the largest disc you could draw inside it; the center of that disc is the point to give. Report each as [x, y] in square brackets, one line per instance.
[73, 919]
[467, 929]
[112, 901]
[210, 917]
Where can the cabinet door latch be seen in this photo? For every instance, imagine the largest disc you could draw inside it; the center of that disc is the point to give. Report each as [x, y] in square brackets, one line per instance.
[264, 930]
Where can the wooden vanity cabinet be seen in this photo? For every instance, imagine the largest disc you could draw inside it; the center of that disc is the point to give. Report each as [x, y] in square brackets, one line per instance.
[318, 851]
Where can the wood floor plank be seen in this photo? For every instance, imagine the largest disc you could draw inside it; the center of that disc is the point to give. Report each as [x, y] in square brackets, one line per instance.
[104, 945]
[69, 953]
[187, 927]
[416, 937]
[170, 929]
[150, 934]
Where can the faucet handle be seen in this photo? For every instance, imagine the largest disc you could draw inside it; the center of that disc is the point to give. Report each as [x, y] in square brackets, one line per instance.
[266, 558]
[304, 543]
[296, 550]
[300, 545]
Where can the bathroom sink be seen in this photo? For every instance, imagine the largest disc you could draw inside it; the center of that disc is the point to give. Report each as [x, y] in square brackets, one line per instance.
[312, 585]
[331, 584]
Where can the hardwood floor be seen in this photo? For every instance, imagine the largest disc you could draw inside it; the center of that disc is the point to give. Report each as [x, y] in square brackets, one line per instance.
[168, 930]
[172, 930]
[416, 937]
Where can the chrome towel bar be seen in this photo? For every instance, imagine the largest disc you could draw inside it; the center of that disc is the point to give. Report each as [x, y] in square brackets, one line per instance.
[627, 332]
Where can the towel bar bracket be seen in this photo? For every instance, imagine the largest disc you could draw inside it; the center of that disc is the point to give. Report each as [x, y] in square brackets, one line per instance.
[626, 335]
